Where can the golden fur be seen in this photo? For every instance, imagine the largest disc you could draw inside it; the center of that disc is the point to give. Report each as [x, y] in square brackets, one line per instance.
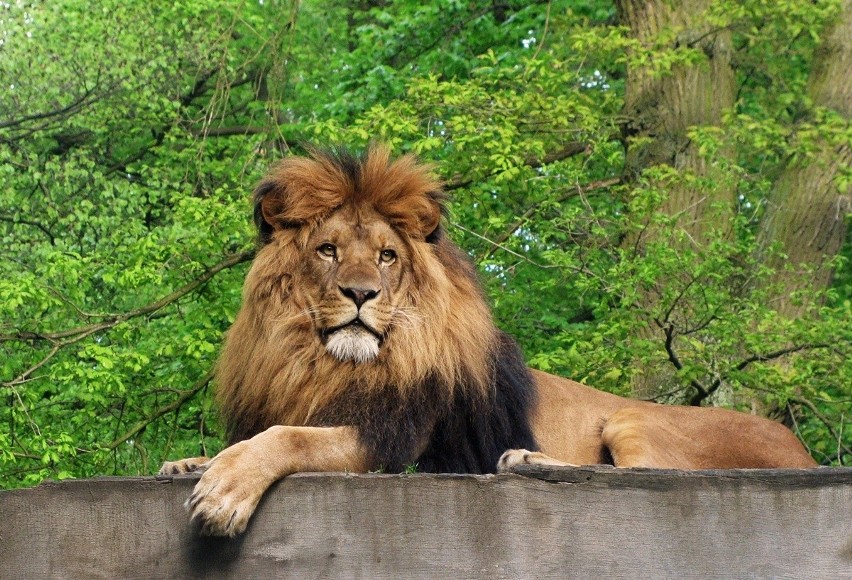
[364, 341]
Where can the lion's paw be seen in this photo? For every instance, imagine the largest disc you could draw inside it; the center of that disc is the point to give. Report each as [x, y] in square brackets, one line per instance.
[515, 457]
[188, 465]
[226, 496]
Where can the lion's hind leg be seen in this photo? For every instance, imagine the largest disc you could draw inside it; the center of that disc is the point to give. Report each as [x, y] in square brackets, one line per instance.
[645, 437]
[514, 457]
[679, 437]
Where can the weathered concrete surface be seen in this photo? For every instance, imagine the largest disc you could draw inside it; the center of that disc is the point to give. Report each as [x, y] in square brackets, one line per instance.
[549, 523]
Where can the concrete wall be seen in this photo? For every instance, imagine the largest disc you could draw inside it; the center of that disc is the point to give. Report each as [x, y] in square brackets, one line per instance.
[546, 523]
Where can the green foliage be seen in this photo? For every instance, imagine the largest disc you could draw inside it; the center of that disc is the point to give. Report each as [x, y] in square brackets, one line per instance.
[132, 134]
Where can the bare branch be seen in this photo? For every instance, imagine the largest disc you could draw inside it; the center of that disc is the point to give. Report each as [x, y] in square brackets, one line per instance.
[702, 392]
[504, 248]
[544, 33]
[843, 450]
[680, 295]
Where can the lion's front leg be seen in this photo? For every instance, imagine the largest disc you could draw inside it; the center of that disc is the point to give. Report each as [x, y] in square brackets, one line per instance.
[228, 493]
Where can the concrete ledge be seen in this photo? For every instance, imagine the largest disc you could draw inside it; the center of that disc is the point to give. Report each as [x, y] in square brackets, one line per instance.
[541, 523]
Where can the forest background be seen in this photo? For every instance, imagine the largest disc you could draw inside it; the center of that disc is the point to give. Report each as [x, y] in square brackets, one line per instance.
[656, 193]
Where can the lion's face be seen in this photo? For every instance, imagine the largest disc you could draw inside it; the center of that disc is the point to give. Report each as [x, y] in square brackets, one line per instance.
[355, 268]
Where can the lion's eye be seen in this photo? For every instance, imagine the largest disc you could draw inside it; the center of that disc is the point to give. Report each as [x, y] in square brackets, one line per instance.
[327, 251]
[387, 256]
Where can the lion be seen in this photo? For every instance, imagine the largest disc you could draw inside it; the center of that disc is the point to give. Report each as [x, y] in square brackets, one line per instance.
[364, 342]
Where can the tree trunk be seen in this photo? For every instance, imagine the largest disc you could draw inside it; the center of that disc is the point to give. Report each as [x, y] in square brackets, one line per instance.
[806, 214]
[661, 108]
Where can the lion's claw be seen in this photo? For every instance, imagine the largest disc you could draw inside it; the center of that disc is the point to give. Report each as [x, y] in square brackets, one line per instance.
[226, 496]
[189, 465]
[514, 457]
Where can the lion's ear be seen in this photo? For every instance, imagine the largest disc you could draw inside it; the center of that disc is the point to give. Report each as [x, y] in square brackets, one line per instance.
[430, 220]
[406, 192]
[433, 228]
[418, 215]
[268, 209]
[299, 191]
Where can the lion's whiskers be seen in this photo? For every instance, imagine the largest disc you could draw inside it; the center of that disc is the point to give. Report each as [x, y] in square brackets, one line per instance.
[308, 312]
[406, 317]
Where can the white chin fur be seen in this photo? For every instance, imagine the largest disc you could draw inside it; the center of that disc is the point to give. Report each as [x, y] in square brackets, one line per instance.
[353, 344]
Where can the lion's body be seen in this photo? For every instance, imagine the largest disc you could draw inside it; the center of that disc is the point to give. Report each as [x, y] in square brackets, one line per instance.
[578, 425]
[364, 342]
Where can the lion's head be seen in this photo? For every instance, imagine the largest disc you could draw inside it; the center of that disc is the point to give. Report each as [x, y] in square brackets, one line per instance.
[355, 287]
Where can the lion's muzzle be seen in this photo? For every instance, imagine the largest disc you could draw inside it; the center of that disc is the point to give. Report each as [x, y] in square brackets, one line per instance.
[354, 341]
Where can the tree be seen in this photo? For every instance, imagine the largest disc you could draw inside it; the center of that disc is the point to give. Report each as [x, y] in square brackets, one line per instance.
[807, 209]
[699, 193]
[692, 85]
[129, 149]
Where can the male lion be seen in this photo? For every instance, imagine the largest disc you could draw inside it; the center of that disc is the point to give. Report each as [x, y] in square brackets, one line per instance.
[364, 342]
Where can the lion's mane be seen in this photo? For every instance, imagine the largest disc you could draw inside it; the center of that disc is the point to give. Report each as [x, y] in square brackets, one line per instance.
[447, 391]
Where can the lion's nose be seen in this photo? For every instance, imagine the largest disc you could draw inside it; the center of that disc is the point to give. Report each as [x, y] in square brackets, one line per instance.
[359, 295]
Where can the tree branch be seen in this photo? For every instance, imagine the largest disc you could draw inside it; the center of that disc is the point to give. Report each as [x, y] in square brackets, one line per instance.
[165, 409]
[229, 131]
[580, 189]
[113, 320]
[843, 450]
[714, 386]
[504, 248]
[199, 88]
[64, 338]
[22, 222]
[70, 108]
[778, 354]
[569, 150]
[702, 392]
